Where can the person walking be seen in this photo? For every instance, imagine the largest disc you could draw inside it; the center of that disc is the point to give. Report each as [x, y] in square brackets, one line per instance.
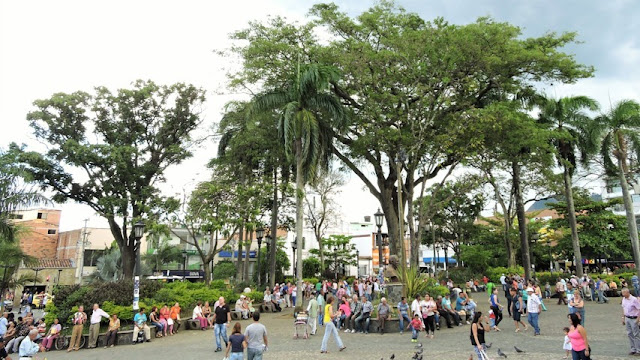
[479, 326]
[578, 336]
[517, 308]
[79, 318]
[577, 304]
[320, 300]
[312, 310]
[221, 318]
[237, 344]
[496, 307]
[256, 338]
[560, 289]
[330, 328]
[630, 313]
[94, 327]
[533, 311]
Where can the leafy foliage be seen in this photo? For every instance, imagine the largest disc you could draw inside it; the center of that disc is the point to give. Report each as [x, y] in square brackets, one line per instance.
[224, 269]
[310, 267]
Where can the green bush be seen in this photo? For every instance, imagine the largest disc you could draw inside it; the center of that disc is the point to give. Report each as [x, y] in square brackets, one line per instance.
[460, 275]
[312, 280]
[219, 284]
[256, 296]
[224, 270]
[310, 267]
[494, 273]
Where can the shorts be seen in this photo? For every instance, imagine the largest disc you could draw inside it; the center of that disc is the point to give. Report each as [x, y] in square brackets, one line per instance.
[516, 315]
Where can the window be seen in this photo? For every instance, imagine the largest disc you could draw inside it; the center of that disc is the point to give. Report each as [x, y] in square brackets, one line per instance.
[91, 257]
[51, 231]
[42, 216]
[16, 216]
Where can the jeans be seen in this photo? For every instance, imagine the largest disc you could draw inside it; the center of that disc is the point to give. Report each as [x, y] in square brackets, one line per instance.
[236, 356]
[363, 318]
[320, 317]
[401, 320]
[158, 328]
[532, 318]
[340, 320]
[475, 348]
[633, 332]
[254, 354]
[220, 332]
[602, 297]
[580, 312]
[579, 355]
[414, 333]
[330, 329]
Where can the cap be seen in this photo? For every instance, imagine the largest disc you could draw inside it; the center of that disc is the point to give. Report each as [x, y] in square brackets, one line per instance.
[529, 289]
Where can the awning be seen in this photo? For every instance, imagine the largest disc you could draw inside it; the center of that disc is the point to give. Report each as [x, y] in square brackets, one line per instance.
[427, 260]
[227, 254]
[188, 274]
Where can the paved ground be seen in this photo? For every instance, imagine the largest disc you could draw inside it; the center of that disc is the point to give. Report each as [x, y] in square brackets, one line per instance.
[606, 334]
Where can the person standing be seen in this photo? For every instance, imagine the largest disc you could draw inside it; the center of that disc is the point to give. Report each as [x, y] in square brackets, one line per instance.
[28, 347]
[256, 338]
[312, 310]
[237, 343]
[577, 304]
[94, 327]
[630, 313]
[330, 328]
[534, 306]
[636, 284]
[517, 308]
[578, 336]
[79, 318]
[320, 300]
[3, 324]
[221, 318]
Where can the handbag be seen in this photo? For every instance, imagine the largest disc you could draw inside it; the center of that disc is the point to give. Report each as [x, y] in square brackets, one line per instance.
[170, 321]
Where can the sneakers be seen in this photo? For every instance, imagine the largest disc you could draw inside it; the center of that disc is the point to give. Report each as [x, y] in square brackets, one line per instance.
[218, 350]
[414, 340]
[347, 330]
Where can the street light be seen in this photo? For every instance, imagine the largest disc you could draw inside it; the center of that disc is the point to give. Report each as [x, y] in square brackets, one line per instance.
[433, 243]
[184, 264]
[379, 217]
[138, 231]
[357, 262]
[294, 246]
[335, 261]
[259, 235]
[268, 238]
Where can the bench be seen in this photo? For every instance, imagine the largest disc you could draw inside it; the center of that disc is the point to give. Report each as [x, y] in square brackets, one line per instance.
[236, 315]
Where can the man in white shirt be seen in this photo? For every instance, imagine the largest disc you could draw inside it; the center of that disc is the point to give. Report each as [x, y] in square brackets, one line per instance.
[534, 305]
[415, 307]
[503, 282]
[94, 328]
[28, 348]
[3, 324]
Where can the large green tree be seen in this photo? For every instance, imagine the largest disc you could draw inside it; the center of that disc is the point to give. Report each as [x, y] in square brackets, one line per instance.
[411, 84]
[571, 127]
[619, 131]
[110, 150]
[309, 119]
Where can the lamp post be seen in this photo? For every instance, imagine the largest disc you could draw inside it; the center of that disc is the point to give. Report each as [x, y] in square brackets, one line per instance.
[294, 246]
[184, 264]
[335, 261]
[400, 159]
[433, 244]
[138, 231]
[379, 217]
[437, 254]
[259, 235]
[268, 237]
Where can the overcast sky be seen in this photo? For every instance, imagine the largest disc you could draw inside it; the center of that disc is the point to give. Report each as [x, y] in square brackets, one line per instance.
[48, 46]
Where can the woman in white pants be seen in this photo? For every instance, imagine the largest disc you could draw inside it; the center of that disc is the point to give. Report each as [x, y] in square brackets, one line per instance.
[330, 328]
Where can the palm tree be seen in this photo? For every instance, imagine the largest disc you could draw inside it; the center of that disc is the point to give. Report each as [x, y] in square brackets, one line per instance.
[309, 115]
[570, 124]
[619, 141]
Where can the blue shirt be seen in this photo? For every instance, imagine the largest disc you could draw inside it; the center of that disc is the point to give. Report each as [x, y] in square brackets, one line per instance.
[140, 318]
[3, 325]
[403, 308]
[459, 304]
[634, 280]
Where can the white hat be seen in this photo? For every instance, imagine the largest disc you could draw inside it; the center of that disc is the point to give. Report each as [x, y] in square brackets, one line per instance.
[529, 289]
[242, 296]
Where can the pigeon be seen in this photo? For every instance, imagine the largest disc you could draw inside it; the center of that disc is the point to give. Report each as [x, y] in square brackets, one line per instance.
[502, 354]
[419, 352]
[419, 346]
[393, 356]
[488, 345]
[518, 350]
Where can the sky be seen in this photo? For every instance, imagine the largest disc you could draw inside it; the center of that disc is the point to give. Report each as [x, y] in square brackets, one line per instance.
[65, 46]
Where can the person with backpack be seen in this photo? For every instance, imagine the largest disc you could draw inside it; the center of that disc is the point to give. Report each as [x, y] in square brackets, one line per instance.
[517, 308]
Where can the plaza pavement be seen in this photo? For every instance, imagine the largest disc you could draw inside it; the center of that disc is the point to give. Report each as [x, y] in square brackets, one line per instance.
[606, 334]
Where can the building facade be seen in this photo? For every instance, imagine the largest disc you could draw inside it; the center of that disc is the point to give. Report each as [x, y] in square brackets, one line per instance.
[38, 234]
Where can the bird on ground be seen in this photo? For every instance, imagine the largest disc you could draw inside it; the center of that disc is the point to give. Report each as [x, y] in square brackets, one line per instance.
[393, 356]
[488, 345]
[419, 352]
[518, 350]
[502, 354]
[419, 346]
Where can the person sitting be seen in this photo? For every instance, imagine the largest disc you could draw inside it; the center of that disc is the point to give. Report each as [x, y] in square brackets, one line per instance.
[112, 331]
[199, 316]
[165, 316]
[206, 312]
[242, 306]
[446, 305]
[174, 313]
[445, 314]
[365, 315]
[266, 300]
[52, 335]
[155, 321]
[384, 312]
[140, 324]
[42, 329]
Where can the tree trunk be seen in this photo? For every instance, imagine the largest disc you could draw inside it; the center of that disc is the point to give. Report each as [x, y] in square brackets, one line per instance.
[299, 219]
[628, 207]
[246, 255]
[571, 213]
[511, 255]
[274, 231]
[239, 256]
[522, 222]
[414, 244]
[320, 250]
[127, 255]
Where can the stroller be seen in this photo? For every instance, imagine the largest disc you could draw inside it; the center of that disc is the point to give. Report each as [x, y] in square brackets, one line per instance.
[300, 325]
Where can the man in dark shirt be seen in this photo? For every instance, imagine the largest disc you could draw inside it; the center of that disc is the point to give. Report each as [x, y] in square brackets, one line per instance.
[221, 317]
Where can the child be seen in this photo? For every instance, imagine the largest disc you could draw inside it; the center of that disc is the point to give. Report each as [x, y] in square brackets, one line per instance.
[492, 320]
[416, 325]
[567, 343]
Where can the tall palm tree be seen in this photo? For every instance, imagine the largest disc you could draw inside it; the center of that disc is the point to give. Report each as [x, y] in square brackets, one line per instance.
[570, 124]
[309, 115]
[620, 140]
